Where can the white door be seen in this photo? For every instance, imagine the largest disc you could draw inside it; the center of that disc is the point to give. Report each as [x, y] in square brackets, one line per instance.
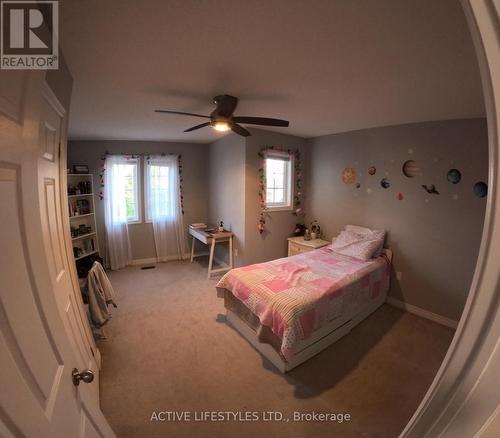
[38, 347]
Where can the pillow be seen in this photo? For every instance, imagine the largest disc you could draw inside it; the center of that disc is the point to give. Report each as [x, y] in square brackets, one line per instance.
[368, 232]
[356, 245]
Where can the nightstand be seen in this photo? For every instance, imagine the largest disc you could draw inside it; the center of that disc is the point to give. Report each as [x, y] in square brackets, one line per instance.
[297, 245]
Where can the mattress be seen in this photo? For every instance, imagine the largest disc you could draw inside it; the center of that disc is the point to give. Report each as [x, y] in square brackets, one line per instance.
[290, 299]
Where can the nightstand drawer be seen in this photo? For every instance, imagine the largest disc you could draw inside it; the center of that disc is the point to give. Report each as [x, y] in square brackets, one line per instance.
[297, 245]
[294, 249]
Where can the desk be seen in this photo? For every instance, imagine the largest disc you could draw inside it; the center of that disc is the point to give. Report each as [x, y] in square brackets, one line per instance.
[212, 239]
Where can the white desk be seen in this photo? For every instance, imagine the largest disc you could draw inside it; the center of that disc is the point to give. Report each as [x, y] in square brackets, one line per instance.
[212, 239]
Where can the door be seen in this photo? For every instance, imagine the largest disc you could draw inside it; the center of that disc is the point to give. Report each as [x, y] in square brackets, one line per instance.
[38, 333]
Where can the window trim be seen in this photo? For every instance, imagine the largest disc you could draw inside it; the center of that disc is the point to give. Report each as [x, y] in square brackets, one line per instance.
[138, 191]
[291, 180]
[146, 167]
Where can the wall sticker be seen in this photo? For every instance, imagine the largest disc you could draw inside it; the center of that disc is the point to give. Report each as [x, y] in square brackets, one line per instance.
[480, 189]
[348, 175]
[411, 169]
[431, 189]
[454, 176]
[385, 183]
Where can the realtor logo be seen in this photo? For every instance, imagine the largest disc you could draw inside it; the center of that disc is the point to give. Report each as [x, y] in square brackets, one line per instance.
[29, 35]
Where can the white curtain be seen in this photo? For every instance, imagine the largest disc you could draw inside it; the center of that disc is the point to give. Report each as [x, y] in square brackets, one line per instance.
[115, 212]
[163, 206]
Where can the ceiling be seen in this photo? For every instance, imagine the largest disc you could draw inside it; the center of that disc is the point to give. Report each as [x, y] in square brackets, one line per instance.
[327, 66]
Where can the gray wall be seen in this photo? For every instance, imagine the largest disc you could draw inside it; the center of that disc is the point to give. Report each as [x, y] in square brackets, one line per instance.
[435, 238]
[234, 172]
[227, 190]
[195, 183]
[271, 244]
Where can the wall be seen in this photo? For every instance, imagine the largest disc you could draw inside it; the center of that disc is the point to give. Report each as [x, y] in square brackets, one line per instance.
[227, 189]
[435, 238]
[271, 244]
[234, 172]
[195, 183]
[61, 82]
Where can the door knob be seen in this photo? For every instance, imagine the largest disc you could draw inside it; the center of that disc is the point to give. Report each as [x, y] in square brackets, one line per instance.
[86, 376]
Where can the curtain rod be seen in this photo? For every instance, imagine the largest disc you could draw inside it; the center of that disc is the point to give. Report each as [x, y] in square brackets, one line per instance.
[163, 154]
[142, 154]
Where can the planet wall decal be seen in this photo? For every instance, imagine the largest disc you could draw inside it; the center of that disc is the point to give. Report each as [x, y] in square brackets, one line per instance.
[348, 175]
[372, 170]
[480, 189]
[385, 183]
[454, 176]
[431, 189]
[411, 169]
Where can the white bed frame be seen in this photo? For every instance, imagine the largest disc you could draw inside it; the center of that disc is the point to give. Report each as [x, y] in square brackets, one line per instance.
[321, 339]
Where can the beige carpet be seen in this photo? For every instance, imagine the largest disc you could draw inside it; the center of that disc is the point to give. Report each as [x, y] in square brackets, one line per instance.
[169, 349]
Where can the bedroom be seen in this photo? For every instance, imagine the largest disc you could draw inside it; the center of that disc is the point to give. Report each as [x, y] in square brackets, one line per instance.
[379, 122]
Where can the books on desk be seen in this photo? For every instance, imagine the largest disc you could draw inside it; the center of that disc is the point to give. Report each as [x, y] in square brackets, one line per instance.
[204, 227]
[198, 225]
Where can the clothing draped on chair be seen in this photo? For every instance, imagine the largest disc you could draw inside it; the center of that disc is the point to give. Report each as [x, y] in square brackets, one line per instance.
[115, 213]
[163, 205]
[100, 295]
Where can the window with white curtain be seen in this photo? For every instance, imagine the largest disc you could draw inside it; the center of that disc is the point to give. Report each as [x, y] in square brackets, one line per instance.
[158, 187]
[127, 179]
[163, 205]
[278, 168]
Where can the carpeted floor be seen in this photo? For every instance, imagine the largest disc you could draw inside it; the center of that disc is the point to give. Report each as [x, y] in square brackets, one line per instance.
[169, 349]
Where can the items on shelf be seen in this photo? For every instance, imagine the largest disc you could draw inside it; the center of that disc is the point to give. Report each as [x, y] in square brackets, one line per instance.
[81, 203]
[79, 207]
[82, 188]
[81, 169]
[80, 231]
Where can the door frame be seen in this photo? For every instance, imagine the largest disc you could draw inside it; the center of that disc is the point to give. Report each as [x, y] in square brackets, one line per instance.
[463, 399]
[87, 337]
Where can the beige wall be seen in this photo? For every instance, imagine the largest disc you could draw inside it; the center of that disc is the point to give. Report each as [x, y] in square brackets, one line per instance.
[435, 238]
[195, 183]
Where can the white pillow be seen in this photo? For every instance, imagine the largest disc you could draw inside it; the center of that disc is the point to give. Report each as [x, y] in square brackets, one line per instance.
[368, 232]
[356, 245]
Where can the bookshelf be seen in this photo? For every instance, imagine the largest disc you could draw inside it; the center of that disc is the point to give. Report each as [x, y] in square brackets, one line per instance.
[82, 220]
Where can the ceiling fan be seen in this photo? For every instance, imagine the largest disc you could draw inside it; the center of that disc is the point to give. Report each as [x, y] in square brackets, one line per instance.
[222, 118]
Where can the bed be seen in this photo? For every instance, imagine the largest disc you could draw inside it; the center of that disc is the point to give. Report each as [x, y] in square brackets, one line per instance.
[292, 308]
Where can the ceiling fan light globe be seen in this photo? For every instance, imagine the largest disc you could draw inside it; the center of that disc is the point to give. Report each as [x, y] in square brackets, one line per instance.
[221, 126]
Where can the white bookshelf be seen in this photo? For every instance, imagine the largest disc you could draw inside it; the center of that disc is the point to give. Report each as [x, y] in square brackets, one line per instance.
[81, 209]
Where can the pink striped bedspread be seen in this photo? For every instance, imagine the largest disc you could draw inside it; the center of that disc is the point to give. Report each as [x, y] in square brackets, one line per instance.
[295, 296]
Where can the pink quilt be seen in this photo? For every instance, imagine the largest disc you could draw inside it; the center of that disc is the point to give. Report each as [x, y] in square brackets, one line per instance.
[297, 295]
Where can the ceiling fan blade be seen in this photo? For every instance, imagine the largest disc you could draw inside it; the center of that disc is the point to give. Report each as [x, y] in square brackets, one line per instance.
[240, 130]
[182, 113]
[261, 121]
[194, 128]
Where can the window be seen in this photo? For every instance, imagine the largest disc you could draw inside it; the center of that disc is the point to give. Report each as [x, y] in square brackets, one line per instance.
[162, 189]
[279, 181]
[157, 191]
[127, 174]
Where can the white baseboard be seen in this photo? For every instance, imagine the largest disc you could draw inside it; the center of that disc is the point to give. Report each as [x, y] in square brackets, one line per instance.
[148, 261]
[153, 260]
[422, 313]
